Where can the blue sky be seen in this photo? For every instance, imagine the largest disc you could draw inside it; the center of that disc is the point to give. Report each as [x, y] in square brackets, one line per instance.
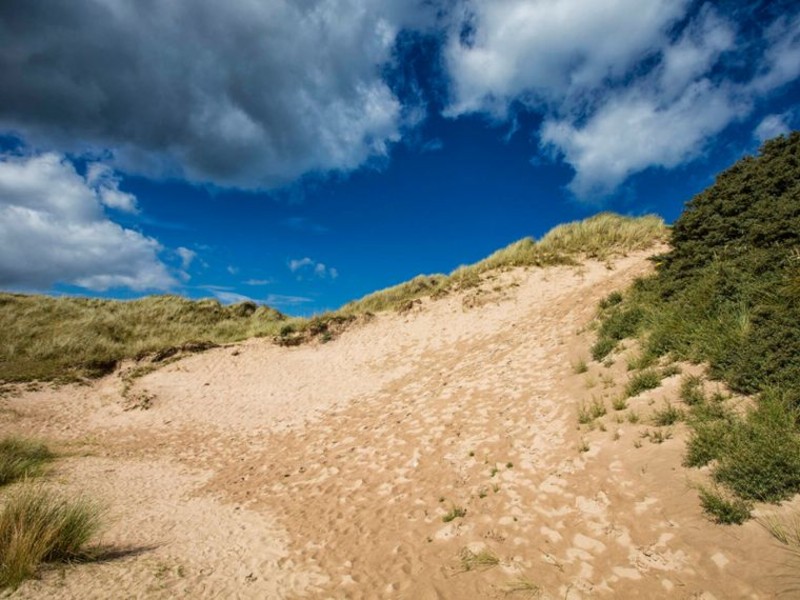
[306, 153]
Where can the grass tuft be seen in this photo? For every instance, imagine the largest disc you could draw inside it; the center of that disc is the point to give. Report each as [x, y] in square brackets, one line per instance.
[669, 415]
[21, 458]
[641, 382]
[724, 509]
[455, 512]
[692, 390]
[39, 526]
[483, 559]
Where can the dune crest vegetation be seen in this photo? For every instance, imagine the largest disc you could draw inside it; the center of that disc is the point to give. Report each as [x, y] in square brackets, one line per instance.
[728, 294]
[50, 338]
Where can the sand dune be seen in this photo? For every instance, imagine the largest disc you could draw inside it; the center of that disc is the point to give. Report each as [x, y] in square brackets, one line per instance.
[327, 470]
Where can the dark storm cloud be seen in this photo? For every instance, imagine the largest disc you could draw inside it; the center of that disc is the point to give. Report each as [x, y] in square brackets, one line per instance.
[244, 93]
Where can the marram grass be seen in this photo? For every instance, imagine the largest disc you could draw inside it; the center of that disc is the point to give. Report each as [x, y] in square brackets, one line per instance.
[38, 526]
[61, 338]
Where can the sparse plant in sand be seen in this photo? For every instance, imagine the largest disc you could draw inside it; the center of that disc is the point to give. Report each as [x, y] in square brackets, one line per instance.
[641, 382]
[642, 361]
[455, 512]
[580, 367]
[785, 529]
[484, 559]
[583, 446]
[38, 526]
[619, 403]
[691, 391]
[669, 415]
[633, 417]
[589, 412]
[524, 587]
[724, 508]
[21, 458]
[659, 436]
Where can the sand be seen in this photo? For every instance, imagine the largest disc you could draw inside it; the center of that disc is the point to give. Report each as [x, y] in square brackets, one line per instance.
[326, 470]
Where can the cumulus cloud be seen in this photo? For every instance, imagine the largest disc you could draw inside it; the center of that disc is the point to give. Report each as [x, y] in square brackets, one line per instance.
[543, 52]
[635, 131]
[622, 87]
[54, 229]
[317, 268]
[772, 126]
[238, 93]
[187, 256]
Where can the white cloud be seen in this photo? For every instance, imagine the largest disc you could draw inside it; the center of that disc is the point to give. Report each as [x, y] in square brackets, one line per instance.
[54, 229]
[103, 179]
[298, 263]
[633, 132]
[230, 297]
[782, 58]
[772, 126]
[619, 89]
[259, 281]
[543, 52]
[244, 93]
[186, 256]
[282, 300]
[319, 269]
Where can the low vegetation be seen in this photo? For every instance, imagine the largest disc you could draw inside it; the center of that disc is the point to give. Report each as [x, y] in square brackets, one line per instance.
[21, 458]
[484, 559]
[38, 526]
[600, 237]
[726, 295]
[50, 338]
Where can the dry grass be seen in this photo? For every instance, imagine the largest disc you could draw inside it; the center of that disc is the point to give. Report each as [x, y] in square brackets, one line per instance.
[48, 338]
[66, 338]
[600, 237]
[39, 526]
[21, 458]
[484, 559]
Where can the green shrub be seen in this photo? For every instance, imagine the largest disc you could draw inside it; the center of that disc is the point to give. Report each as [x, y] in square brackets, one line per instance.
[602, 348]
[726, 295]
[612, 299]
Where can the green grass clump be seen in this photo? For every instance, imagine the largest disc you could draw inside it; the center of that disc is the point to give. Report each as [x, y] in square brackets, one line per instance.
[455, 512]
[21, 458]
[641, 382]
[723, 509]
[39, 526]
[692, 390]
[669, 415]
[589, 412]
[612, 299]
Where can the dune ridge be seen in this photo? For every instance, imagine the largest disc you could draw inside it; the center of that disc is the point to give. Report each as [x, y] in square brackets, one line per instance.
[434, 452]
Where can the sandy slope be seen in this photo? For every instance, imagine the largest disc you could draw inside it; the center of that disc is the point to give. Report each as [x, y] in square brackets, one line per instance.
[325, 471]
